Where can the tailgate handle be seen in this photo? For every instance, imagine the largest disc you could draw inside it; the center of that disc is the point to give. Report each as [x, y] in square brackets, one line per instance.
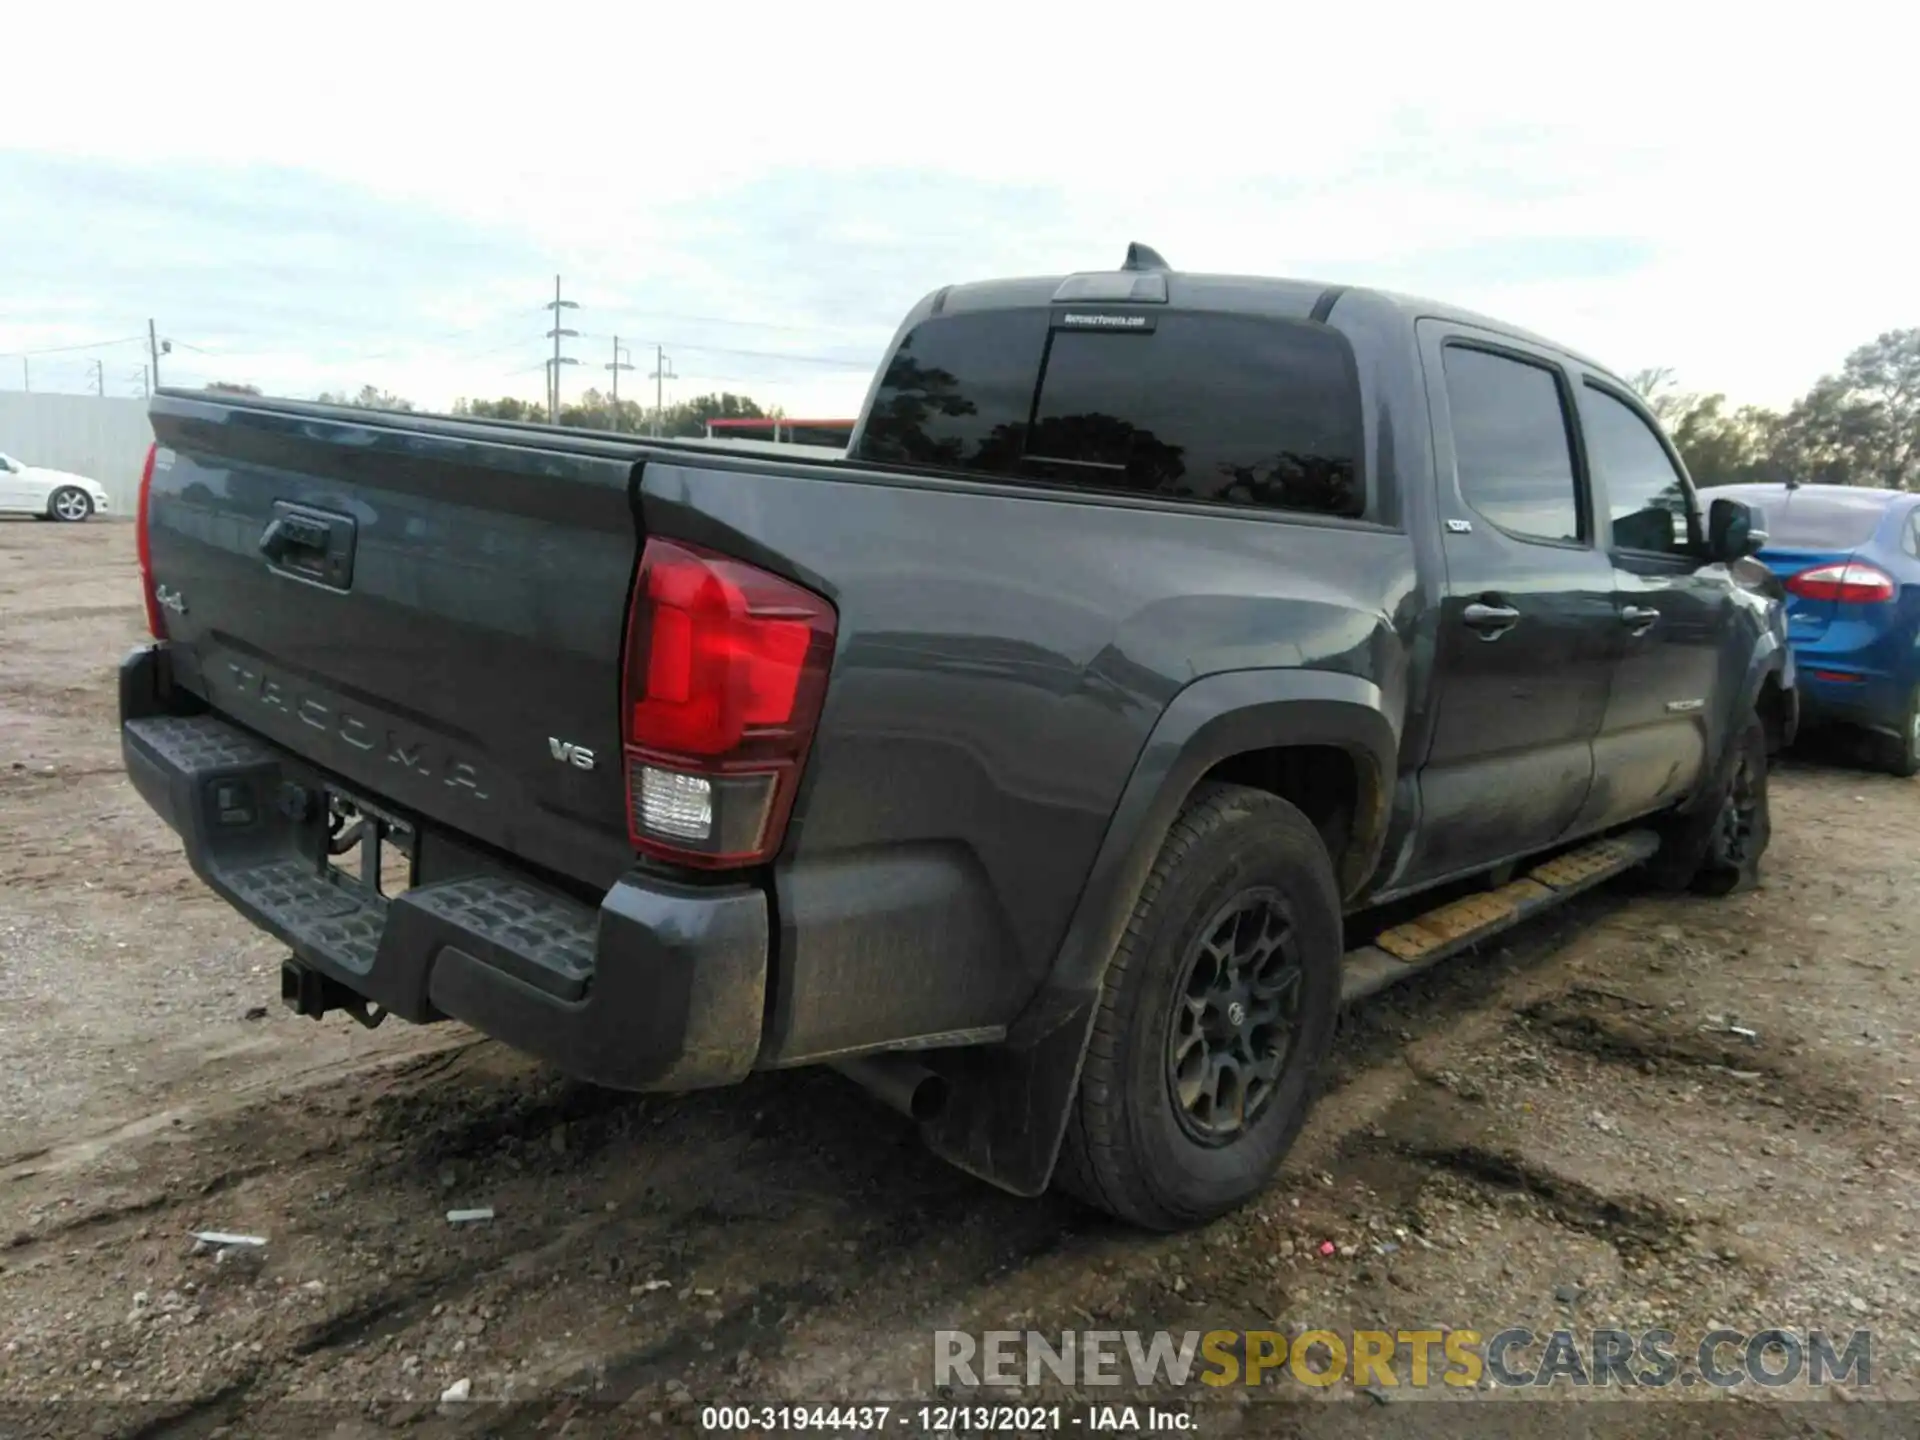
[290, 533]
[310, 545]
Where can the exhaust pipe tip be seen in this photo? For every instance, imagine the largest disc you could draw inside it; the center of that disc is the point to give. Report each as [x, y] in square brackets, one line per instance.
[929, 1098]
[901, 1084]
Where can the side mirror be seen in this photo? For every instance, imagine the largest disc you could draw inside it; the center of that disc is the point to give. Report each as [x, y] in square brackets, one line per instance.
[1734, 530]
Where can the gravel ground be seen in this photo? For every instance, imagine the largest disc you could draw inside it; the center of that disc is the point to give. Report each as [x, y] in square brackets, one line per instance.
[1639, 1110]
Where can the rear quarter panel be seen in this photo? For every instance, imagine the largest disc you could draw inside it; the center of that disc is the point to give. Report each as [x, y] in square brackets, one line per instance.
[1003, 657]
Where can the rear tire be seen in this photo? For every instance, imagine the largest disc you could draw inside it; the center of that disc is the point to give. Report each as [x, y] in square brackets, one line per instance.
[71, 504]
[1900, 755]
[1215, 1016]
[1716, 850]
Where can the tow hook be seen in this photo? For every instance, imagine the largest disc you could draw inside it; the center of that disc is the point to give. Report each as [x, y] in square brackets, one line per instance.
[308, 992]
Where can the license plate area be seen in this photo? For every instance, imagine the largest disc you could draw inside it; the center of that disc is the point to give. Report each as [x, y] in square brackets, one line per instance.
[370, 851]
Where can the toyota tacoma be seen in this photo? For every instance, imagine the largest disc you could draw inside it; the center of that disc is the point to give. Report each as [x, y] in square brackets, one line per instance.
[1047, 762]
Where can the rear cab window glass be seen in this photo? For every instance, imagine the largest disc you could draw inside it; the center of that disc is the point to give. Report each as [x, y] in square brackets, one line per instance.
[1221, 409]
[1512, 450]
[1806, 521]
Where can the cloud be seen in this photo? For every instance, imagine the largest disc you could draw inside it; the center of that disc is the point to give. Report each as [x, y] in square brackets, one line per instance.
[385, 194]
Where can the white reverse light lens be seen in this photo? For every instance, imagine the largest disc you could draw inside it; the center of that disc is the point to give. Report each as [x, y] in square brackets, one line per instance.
[677, 805]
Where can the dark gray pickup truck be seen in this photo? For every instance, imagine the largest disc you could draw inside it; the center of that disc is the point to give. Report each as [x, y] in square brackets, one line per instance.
[1043, 763]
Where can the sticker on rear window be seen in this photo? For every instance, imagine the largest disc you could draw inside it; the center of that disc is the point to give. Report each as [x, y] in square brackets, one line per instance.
[1095, 320]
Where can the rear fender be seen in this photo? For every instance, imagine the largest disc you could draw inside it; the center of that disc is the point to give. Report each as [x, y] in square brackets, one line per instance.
[1008, 1103]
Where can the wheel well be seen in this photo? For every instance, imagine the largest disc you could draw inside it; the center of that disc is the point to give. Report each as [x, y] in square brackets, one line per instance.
[1320, 781]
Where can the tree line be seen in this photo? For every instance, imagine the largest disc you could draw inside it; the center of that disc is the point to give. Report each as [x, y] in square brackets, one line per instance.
[596, 411]
[1859, 426]
[592, 411]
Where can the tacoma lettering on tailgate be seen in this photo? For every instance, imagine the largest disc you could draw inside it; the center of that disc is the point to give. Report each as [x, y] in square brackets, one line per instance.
[372, 734]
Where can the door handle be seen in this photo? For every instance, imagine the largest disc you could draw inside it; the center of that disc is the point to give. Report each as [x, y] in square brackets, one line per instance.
[1492, 621]
[1639, 618]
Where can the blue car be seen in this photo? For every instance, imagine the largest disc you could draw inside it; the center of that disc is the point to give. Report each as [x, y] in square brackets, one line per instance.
[1849, 560]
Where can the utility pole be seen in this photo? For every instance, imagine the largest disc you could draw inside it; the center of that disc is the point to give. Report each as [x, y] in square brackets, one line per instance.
[26, 374]
[153, 350]
[662, 372]
[616, 367]
[146, 385]
[556, 335]
[100, 377]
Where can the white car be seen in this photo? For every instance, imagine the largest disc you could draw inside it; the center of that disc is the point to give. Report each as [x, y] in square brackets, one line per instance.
[50, 494]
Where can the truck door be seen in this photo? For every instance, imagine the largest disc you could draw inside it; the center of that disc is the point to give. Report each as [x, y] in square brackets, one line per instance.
[1675, 613]
[1526, 633]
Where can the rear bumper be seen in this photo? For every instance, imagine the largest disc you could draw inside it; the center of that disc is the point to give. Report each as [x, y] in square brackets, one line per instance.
[662, 986]
[1856, 673]
[1832, 689]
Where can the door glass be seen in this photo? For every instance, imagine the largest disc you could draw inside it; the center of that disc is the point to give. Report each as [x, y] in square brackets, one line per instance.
[1510, 444]
[1649, 504]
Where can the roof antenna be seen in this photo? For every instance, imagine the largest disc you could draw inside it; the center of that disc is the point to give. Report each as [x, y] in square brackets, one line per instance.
[1144, 257]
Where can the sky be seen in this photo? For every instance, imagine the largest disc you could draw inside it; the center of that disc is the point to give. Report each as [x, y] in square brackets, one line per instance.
[383, 194]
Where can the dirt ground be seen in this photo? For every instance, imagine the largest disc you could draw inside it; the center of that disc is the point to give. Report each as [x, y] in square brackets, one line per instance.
[1570, 1129]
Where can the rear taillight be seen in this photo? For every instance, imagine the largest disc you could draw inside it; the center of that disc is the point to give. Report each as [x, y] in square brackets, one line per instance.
[1852, 582]
[143, 545]
[726, 669]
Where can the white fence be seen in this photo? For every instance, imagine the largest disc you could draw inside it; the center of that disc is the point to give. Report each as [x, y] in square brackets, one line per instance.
[105, 439]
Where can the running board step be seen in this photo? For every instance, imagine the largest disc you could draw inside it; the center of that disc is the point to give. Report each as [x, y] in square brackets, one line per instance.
[1438, 935]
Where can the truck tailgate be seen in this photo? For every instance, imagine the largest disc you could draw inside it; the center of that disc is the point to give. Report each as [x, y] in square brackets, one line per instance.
[430, 609]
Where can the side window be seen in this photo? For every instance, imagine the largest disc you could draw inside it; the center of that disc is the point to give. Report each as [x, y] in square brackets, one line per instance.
[1913, 533]
[1650, 505]
[1510, 444]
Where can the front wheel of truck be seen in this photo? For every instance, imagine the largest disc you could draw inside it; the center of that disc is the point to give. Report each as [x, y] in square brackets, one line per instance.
[1716, 849]
[1215, 1016]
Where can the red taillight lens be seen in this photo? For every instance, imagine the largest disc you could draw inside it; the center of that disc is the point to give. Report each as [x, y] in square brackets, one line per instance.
[1851, 583]
[726, 669]
[143, 546]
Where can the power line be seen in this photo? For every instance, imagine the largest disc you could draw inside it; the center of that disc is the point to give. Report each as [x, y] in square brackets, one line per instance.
[801, 357]
[839, 360]
[738, 324]
[69, 349]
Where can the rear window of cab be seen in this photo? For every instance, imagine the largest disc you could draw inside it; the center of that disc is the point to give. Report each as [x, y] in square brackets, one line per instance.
[1214, 408]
